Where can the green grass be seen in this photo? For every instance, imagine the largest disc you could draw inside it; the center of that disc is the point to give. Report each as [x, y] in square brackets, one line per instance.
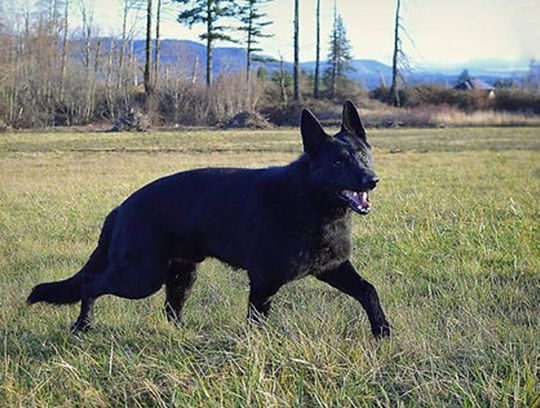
[452, 244]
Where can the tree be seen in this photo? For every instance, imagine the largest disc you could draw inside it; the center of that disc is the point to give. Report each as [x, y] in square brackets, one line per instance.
[127, 32]
[463, 76]
[317, 51]
[148, 50]
[208, 12]
[262, 73]
[64, 47]
[339, 55]
[296, 73]
[283, 79]
[393, 94]
[532, 80]
[251, 19]
[157, 47]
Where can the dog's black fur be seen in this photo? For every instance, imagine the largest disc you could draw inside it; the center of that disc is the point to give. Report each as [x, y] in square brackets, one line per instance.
[279, 224]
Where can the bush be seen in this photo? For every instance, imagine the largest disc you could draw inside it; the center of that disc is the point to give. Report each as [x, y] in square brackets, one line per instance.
[328, 112]
[517, 100]
[437, 95]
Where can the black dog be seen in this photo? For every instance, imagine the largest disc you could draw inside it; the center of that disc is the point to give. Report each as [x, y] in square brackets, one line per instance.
[279, 224]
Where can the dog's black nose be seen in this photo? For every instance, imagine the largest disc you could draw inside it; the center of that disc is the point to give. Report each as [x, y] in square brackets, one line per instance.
[372, 183]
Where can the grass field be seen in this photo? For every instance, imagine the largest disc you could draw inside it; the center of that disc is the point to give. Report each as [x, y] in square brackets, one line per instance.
[452, 244]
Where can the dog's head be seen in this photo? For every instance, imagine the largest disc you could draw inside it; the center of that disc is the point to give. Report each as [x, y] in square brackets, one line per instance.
[340, 164]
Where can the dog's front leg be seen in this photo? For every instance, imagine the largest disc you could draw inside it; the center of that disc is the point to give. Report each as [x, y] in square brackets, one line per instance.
[260, 300]
[346, 279]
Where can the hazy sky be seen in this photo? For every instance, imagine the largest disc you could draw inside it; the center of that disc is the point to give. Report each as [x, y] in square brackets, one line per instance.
[442, 31]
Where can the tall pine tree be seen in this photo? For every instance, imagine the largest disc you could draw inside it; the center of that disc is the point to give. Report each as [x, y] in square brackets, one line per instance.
[339, 55]
[253, 24]
[208, 12]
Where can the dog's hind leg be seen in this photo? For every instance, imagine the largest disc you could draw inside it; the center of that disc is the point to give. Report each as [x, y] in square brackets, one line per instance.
[95, 266]
[90, 273]
[86, 316]
[137, 279]
[181, 276]
[346, 279]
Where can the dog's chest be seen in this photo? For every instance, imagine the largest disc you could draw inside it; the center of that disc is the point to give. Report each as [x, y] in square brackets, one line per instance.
[325, 247]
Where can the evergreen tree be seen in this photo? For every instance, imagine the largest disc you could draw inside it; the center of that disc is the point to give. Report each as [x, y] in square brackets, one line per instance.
[339, 55]
[463, 76]
[252, 22]
[208, 12]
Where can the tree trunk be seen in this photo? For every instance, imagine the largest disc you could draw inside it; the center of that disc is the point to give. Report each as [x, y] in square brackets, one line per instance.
[64, 50]
[249, 48]
[317, 52]
[209, 33]
[148, 51]
[282, 89]
[393, 95]
[296, 52]
[123, 45]
[158, 44]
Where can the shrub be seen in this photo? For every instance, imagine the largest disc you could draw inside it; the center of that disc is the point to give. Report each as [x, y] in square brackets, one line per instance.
[437, 95]
[517, 100]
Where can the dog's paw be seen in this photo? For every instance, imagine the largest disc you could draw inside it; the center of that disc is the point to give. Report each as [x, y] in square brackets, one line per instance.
[80, 326]
[382, 330]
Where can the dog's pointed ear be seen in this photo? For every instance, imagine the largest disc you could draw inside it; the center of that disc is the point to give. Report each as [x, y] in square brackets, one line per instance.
[313, 135]
[351, 122]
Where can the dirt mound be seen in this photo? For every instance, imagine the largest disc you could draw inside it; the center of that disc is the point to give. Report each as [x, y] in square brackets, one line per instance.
[132, 121]
[249, 120]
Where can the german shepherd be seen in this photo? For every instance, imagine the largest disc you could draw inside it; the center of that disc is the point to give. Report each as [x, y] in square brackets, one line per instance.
[278, 223]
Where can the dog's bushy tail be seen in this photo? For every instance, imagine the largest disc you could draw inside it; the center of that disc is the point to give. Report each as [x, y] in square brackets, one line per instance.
[58, 293]
[70, 290]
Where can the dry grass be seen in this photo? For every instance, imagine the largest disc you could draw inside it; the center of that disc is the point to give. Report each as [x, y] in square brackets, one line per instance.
[442, 116]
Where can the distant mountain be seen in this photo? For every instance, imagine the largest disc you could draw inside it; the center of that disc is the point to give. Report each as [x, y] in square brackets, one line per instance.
[497, 67]
[368, 72]
[191, 56]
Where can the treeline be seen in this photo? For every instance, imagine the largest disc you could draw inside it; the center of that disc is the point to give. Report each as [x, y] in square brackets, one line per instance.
[53, 72]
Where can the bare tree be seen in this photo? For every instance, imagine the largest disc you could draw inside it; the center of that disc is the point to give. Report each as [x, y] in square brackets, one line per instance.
[157, 43]
[148, 50]
[87, 14]
[282, 79]
[317, 51]
[64, 47]
[296, 72]
[393, 94]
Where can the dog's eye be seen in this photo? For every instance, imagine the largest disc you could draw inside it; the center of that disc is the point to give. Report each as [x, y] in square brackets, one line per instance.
[342, 158]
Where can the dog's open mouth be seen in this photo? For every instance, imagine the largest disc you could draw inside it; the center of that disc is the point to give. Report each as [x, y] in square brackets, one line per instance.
[357, 200]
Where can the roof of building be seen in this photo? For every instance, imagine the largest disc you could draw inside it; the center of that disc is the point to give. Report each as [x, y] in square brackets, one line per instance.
[474, 84]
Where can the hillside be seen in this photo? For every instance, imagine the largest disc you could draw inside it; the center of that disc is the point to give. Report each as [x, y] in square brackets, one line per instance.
[190, 56]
